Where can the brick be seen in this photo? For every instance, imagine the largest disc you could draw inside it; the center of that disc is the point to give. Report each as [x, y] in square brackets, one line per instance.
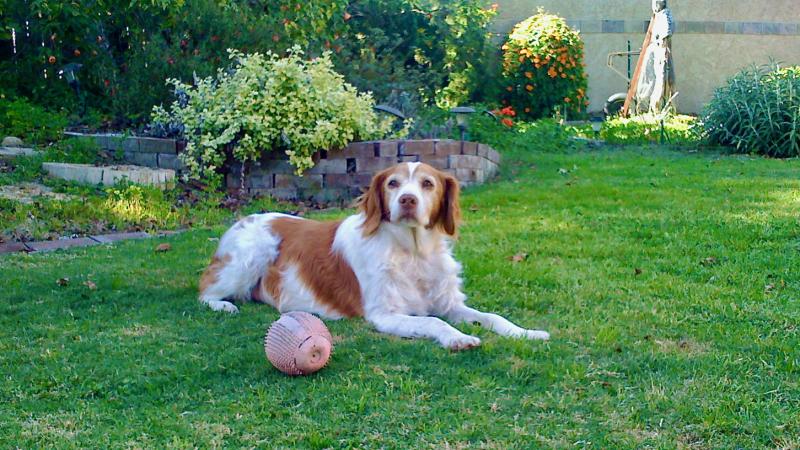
[329, 166]
[448, 147]
[494, 156]
[46, 246]
[115, 237]
[374, 164]
[355, 150]
[260, 181]
[154, 145]
[168, 161]
[130, 145]
[470, 175]
[307, 181]
[483, 150]
[142, 159]
[362, 179]
[13, 247]
[420, 147]
[388, 148]
[338, 180]
[470, 148]
[331, 195]
[439, 162]
[115, 143]
[274, 166]
[284, 193]
[465, 162]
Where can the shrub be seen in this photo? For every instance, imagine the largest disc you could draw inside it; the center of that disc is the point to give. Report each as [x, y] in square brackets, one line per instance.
[757, 111]
[646, 129]
[431, 48]
[543, 67]
[128, 48]
[31, 123]
[267, 103]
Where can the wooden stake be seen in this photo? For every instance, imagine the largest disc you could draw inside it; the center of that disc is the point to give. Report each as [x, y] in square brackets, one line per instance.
[639, 62]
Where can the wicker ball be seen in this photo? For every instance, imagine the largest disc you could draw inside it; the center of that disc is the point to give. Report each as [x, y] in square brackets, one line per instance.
[298, 343]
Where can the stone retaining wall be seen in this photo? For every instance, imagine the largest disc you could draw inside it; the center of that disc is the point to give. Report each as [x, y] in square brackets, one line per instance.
[142, 151]
[338, 175]
[346, 173]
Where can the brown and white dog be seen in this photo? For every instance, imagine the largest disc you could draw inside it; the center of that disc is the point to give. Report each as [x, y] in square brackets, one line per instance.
[391, 263]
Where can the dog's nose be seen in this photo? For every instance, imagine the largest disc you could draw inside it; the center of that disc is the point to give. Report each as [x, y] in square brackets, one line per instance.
[408, 201]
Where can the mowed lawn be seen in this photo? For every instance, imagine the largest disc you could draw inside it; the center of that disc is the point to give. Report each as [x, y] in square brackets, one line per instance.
[669, 281]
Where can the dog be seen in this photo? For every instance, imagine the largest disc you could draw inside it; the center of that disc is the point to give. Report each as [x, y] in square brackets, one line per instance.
[391, 262]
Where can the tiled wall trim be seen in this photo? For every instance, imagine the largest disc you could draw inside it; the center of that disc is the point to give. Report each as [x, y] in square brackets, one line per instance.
[689, 27]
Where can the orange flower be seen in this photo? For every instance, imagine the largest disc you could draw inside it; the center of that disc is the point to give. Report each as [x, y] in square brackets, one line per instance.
[538, 66]
[527, 110]
[529, 75]
[563, 75]
[521, 59]
[507, 122]
[528, 87]
[567, 99]
[51, 60]
[509, 88]
[536, 60]
[77, 52]
[504, 47]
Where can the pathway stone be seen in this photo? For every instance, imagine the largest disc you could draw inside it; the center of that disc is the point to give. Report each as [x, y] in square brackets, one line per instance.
[44, 246]
[27, 192]
[110, 175]
[13, 152]
[109, 238]
[11, 141]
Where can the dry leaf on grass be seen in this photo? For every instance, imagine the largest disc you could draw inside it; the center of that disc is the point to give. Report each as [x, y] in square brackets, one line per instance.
[163, 248]
[519, 257]
[90, 285]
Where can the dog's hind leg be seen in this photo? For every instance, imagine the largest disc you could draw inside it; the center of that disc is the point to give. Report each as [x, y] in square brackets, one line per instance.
[214, 288]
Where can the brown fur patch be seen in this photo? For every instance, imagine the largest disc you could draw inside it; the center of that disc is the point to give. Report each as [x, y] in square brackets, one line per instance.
[307, 245]
[211, 274]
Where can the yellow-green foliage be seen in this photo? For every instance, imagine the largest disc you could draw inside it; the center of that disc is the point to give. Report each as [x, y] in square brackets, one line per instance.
[646, 129]
[543, 67]
[268, 103]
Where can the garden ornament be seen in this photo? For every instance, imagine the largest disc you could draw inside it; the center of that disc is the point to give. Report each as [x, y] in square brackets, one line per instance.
[657, 78]
[298, 343]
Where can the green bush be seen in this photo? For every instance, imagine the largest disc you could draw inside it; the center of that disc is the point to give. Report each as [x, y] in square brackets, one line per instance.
[757, 111]
[128, 48]
[267, 103]
[431, 48]
[31, 123]
[646, 129]
[543, 67]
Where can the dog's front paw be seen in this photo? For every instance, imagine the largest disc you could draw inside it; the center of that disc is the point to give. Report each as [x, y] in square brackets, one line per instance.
[220, 305]
[537, 334]
[460, 342]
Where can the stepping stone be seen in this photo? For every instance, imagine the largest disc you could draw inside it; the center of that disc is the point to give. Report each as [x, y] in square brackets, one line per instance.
[46, 246]
[13, 247]
[110, 175]
[109, 238]
[13, 152]
[11, 141]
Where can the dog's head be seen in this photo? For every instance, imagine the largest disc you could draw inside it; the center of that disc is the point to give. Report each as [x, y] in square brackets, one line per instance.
[413, 195]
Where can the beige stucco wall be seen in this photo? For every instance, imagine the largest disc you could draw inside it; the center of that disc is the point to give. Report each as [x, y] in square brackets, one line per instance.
[704, 57]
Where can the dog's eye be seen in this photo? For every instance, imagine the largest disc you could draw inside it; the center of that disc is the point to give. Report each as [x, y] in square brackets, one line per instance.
[427, 184]
[393, 184]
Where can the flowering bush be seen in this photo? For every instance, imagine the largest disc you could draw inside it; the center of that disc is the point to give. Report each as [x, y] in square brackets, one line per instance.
[268, 103]
[506, 115]
[543, 67]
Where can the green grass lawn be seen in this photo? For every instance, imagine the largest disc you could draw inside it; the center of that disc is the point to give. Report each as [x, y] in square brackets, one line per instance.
[669, 282]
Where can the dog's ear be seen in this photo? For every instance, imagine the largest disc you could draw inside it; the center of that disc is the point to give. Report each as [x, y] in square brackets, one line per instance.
[372, 204]
[449, 210]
